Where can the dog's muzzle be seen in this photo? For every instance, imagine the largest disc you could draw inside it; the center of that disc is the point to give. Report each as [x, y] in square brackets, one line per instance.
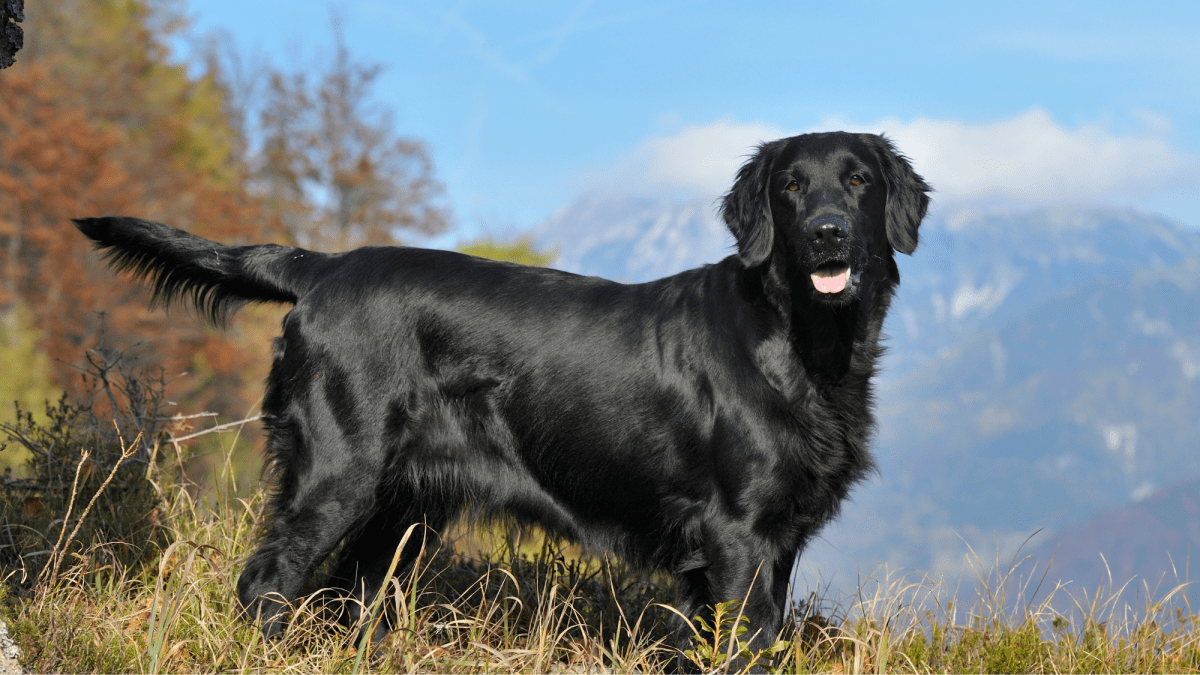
[827, 235]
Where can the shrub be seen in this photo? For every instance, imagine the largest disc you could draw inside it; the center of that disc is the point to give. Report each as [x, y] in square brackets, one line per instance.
[89, 476]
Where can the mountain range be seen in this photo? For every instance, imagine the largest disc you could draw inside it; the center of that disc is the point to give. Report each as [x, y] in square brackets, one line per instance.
[1042, 376]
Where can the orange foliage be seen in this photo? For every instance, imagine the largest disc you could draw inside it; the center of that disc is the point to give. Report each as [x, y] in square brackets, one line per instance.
[64, 154]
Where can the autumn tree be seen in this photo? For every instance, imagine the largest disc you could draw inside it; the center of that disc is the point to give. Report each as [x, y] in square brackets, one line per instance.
[96, 120]
[332, 165]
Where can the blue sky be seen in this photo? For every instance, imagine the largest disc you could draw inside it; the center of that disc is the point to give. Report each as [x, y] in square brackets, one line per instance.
[527, 105]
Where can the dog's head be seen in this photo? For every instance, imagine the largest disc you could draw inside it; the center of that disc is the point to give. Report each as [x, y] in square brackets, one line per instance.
[829, 208]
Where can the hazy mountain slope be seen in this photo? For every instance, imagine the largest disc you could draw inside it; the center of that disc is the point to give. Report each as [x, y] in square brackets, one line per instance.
[972, 272]
[634, 239]
[1111, 368]
[1156, 540]
[1087, 402]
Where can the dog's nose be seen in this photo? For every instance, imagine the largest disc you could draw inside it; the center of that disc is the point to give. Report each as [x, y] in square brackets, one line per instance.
[827, 231]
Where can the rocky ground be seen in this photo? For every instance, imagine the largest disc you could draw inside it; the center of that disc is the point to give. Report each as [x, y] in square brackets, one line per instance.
[9, 653]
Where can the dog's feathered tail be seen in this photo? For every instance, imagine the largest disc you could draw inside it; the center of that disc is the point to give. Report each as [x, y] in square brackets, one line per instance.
[216, 278]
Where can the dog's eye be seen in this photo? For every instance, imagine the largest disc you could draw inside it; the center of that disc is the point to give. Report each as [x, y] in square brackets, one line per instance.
[856, 180]
[793, 186]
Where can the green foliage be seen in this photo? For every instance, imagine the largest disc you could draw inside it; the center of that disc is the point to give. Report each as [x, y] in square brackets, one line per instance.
[74, 644]
[721, 645]
[26, 382]
[994, 649]
[520, 251]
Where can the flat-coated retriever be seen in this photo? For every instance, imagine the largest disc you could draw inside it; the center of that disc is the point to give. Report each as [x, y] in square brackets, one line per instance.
[708, 424]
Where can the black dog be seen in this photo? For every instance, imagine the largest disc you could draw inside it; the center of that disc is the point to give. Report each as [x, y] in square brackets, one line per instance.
[709, 423]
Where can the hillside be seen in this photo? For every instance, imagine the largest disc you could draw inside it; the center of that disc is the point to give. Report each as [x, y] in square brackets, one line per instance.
[1083, 403]
[1152, 540]
[634, 239]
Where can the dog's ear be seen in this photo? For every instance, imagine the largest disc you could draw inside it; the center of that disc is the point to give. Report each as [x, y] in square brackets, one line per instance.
[907, 200]
[747, 208]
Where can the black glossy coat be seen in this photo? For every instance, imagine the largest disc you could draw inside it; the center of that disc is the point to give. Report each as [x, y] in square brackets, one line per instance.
[709, 423]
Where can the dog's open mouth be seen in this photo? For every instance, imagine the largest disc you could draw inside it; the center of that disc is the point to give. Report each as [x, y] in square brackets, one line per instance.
[831, 277]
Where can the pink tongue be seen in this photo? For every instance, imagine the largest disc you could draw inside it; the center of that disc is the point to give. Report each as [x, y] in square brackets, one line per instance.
[827, 281]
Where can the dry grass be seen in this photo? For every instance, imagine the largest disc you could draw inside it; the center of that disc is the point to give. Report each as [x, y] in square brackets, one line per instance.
[552, 610]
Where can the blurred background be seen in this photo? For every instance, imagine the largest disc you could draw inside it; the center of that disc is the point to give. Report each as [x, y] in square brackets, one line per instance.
[1041, 392]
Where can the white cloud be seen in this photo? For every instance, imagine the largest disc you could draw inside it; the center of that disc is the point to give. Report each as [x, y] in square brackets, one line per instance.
[698, 159]
[1029, 158]
[1032, 158]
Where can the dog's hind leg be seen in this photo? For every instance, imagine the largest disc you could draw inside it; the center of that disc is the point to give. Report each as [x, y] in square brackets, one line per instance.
[368, 553]
[325, 490]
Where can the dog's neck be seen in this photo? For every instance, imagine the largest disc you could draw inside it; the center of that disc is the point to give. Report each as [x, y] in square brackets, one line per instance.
[837, 345]
[825, 337]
